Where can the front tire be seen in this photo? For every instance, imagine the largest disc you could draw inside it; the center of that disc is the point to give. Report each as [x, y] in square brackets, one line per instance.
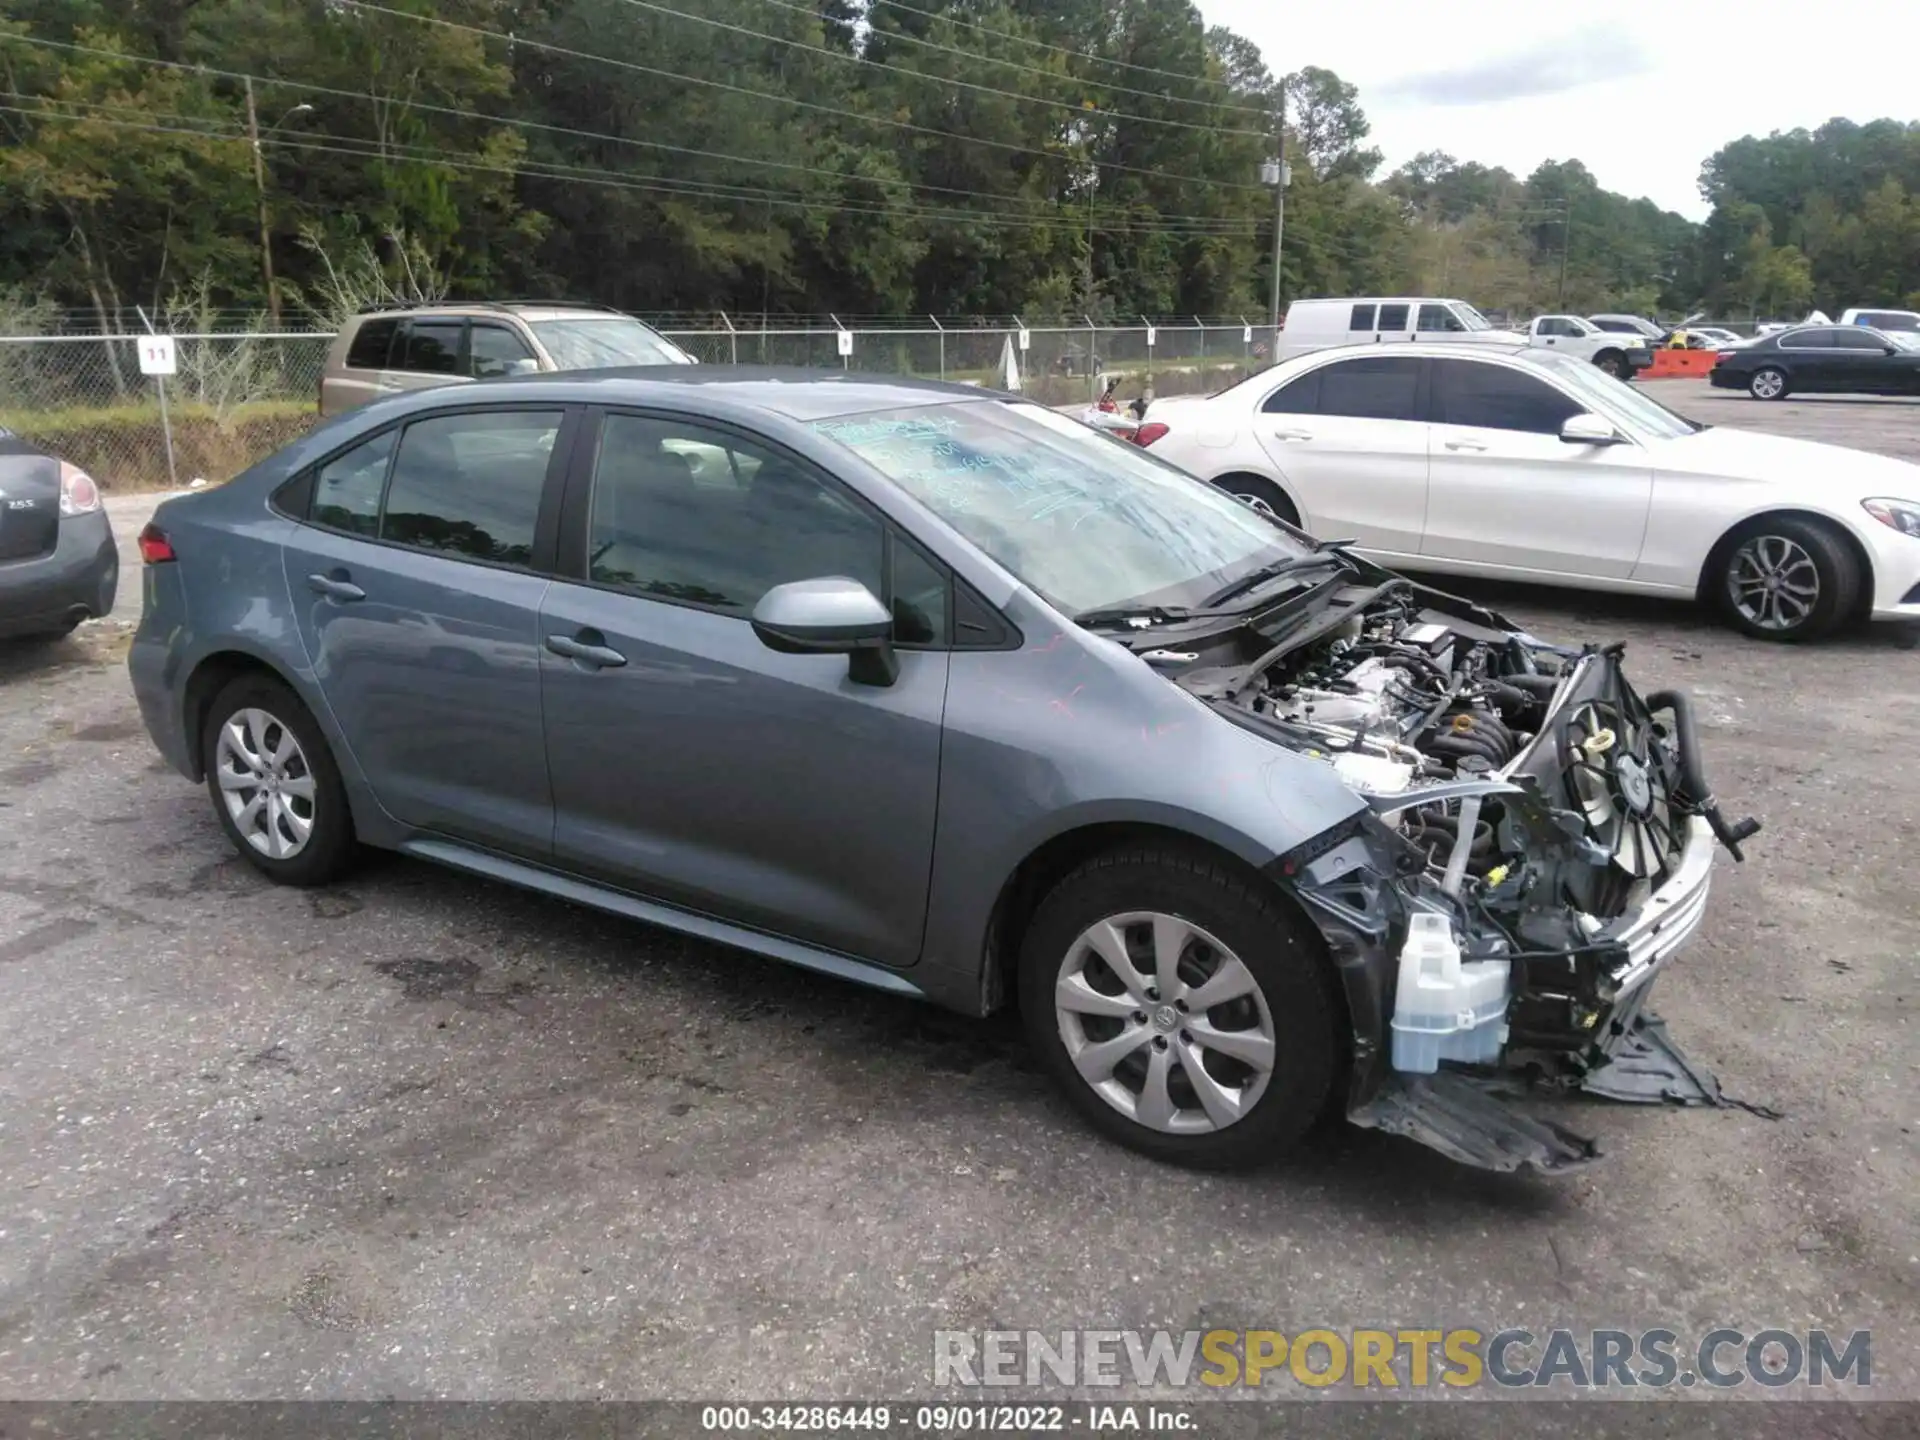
[1261, 494]
[1768, 383]
[276, 790]
[1613, 363]
[1787, 579]
[1186, 1012]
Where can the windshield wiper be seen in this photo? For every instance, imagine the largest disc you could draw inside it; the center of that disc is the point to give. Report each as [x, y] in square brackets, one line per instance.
[1322, 555]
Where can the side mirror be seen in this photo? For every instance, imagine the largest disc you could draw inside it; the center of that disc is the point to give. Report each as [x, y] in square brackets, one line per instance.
[1590, 429]
[524, 366]
[830, 616]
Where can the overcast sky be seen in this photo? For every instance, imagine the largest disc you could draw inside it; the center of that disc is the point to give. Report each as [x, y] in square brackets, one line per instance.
[1641, 92]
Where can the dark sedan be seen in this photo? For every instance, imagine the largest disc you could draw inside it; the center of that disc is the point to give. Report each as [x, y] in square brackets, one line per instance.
[1828, 359]
[58, 562]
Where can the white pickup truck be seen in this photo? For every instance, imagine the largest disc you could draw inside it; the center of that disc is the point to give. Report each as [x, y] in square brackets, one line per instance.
[1621, 356]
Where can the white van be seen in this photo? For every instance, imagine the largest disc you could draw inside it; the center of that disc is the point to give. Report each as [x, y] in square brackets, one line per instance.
[1316, 324]
[1907, 320]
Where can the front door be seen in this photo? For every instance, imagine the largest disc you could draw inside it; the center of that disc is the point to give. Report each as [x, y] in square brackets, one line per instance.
[1505, 491]
[1350, 440]
[691, 763]
[417, 584]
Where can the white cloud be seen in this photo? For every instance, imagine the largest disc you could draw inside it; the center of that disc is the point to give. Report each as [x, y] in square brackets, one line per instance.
[1642, 94]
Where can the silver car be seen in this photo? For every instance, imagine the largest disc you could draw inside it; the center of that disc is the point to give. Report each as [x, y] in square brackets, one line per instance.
[935, 690]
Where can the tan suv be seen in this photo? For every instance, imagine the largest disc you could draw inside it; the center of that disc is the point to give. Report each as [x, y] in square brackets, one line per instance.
[384, 351]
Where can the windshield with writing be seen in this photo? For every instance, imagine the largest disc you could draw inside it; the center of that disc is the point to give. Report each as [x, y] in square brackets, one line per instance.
[1088, 521]
[604, 344]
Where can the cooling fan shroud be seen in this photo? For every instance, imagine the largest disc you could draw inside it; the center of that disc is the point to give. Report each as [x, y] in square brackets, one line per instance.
[1622, 789]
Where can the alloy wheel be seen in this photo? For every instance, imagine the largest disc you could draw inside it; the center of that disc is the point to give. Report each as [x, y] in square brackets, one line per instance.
[1164, 1023]
[266, 783]
[1773, 582]
[1254, 502]
[1768, 384]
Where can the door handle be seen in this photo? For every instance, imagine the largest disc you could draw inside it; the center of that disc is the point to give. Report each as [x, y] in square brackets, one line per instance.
[335, 586]
[1293, 435]
[593, 655]
[1465, 445]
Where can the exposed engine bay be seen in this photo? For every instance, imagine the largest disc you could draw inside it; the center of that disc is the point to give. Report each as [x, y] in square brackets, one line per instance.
[1538, 844]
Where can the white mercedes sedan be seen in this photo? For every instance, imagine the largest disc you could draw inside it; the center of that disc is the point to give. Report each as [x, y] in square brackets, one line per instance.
[1525, 465]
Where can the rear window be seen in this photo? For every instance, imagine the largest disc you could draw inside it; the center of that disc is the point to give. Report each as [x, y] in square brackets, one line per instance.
[1393, 317]
[1362, 318]
[371, 342]
[431, 347]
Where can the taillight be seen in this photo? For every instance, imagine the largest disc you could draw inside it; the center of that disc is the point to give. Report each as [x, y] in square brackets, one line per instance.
[78, 494]
[1722, 355]
[1149, 432]
[155, 548]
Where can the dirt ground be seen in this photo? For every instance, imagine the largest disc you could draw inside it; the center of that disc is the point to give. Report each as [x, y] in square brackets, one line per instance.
[421, 1136]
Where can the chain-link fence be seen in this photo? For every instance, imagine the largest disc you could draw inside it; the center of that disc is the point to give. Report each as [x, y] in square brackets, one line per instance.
[237, 397]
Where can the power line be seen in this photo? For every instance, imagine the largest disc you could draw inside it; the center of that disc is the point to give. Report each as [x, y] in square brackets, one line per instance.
[1056, 76]
[357, 96]
[1037, 44]
[1082, 109]
[762, 96]
[548, 170]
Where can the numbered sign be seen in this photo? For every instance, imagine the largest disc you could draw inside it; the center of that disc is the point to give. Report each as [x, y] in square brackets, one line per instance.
[1246, 334]
[844, 339]
[1026, 338]
[1151, 332]
[156, 355]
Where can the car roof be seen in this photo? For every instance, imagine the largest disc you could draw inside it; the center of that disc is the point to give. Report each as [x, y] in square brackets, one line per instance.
[1431, 350]
[797, 393]
[525, 309]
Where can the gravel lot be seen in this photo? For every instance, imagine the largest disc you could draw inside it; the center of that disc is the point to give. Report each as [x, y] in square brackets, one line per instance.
[418, 1135]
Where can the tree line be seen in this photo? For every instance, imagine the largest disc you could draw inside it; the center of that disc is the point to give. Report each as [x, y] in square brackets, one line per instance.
[292, 158]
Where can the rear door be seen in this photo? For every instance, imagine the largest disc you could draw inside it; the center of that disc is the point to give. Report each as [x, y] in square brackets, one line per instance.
[1811, 361]
[417, 580]
[693, 764]
[1351, 443]
[1505, 491]
[361, 373]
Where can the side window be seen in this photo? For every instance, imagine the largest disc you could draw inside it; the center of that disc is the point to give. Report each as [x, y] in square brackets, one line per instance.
[346, 491]
[1494, 397]
[430, 347]
[469, 485]
[1302, 397]
[920, 597]
[1438, 318]
[1857, 340]
[721, 532]
[1807, 340]
[1562, 328]
[1374, 388]
[1362, 318]
[1393, 318]
[371, 342]
[492, 351]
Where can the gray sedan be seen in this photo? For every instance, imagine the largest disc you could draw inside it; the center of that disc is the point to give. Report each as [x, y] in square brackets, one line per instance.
[58, 562]
[934, 690]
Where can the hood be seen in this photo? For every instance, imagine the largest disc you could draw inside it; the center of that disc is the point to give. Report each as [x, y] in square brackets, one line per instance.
[1829, 472]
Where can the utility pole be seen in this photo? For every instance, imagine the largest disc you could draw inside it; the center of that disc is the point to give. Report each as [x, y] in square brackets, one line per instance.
[260, 193]
[1566, 244]
[1279, 206]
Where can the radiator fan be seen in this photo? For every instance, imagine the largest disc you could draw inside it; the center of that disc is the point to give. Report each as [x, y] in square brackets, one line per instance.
[1622, 790]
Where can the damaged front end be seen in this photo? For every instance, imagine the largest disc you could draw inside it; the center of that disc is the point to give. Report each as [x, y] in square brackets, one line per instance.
[1538, 844]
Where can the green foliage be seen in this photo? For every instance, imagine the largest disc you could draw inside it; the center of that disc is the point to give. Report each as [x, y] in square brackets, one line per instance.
[985, 157]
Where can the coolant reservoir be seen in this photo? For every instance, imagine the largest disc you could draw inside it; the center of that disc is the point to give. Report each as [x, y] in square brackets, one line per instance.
[1446, 1008]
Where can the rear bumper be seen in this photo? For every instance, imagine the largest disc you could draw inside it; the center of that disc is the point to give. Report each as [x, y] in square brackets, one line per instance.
[77, 581]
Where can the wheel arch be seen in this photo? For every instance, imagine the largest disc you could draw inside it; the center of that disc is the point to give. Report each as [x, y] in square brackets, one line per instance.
[1051, 861]
[1723, 547]
[211, 674]
[1242, 472]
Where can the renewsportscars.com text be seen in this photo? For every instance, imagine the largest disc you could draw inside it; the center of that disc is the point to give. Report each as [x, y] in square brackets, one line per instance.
[1407, 1359]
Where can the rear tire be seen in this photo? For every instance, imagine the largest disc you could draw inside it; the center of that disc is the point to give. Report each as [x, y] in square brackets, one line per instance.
[275, 788]
[1786, 579]
[1262, 494]
[1769, 382]
[1266, 1045]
